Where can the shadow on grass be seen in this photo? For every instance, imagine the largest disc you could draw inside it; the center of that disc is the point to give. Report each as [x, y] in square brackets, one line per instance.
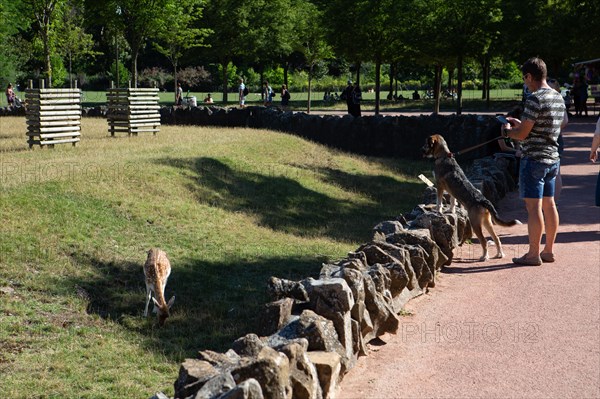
[216, 303]
[283, 204]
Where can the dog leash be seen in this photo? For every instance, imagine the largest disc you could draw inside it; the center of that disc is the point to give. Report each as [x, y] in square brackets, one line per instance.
[474, 147]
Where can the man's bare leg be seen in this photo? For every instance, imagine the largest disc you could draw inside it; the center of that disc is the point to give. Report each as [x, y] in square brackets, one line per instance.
[551, 220]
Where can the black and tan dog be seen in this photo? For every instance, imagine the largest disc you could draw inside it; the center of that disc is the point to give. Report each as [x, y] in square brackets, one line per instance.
[450, 178]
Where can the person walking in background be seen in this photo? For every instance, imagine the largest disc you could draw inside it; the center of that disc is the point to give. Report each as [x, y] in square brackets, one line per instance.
[285, 97]
[267, 94]
[347, 95]
[179, 95]
[580, 96]
[356, 99]
[542, 120]
[10, 95]
[208, 99]
[594, 158]
[242, 92]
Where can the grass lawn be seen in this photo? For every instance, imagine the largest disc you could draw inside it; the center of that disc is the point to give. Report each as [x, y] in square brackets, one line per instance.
[231, 207]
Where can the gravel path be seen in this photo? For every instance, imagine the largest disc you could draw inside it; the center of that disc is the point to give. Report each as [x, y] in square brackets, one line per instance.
[496, 330]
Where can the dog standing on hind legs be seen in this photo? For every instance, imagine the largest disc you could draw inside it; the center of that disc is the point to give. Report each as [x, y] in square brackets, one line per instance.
[156, 272]
[450, 178]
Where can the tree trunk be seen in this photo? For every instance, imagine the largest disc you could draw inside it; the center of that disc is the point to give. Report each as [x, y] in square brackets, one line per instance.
[47, 59]
[484, 77]
[262, 92]
[392, 73]
[459, 67]
[309, 88]
[377, 84]
[286, 67]
[225, 65]
[70, 71]
[117, 62]
[396, 88]
[437, 88]
[487, 81]
[175, 79]
[134, 67]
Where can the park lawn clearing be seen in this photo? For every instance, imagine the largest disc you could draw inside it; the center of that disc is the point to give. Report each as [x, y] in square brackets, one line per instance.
[231, 207]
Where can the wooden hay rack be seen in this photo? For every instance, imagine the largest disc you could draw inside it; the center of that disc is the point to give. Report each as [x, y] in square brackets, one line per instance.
[133, 110]
[53, 115]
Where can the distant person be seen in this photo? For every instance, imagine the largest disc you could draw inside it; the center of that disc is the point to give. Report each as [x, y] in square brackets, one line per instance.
[561, 143]
[179, 95]
[285, 97]
[416, 95]
[356, 99]
[208, 99]
[525, 93]
[10, 95]
[243, 92]
[568, 101]
[594, 158]
[267, 94]
[580, 97]
[347, 96]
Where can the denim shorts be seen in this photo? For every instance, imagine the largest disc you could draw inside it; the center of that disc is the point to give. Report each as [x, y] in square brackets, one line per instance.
[536, 179]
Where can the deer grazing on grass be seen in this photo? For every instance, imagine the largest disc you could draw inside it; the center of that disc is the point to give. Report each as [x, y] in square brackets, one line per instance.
[156, 272]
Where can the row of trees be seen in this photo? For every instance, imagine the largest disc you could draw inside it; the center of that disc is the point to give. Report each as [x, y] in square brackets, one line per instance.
[44, 37]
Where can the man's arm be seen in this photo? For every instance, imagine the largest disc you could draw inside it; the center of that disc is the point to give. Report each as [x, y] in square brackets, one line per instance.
[594, 149]
[519, 130]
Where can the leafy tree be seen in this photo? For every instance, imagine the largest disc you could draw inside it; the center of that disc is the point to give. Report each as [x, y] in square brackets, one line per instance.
[383, 35]
[176, 32]
[43, 13]
[311, 40]
[230, 20]
[273, 31]
[344, 21]
[12, 45]
[70, 37]
[138, 20]
[461, 29]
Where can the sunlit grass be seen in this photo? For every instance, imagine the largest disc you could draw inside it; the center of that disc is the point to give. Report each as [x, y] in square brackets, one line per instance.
[231, 207]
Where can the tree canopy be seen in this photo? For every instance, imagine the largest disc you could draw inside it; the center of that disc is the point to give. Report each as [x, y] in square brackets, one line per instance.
[233, 37]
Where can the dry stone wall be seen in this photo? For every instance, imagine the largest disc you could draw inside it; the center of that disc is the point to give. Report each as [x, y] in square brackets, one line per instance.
[400, 136]
[314, 330]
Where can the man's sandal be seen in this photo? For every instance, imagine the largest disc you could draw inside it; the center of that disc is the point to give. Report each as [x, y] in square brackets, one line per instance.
[523, 260]
[547, 257]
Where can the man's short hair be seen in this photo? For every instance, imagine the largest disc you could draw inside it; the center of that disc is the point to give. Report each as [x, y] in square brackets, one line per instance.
[536, 67]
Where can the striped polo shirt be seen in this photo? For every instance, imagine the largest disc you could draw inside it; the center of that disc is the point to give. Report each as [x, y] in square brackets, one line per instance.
[546, 108]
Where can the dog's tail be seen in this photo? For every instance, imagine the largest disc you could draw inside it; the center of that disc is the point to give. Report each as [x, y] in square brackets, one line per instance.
[496, 218]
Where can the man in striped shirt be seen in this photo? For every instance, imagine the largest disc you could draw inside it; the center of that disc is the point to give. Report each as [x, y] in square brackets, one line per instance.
[542, 120]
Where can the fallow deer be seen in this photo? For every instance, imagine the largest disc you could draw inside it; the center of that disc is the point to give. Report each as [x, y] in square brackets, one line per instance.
[156, 271]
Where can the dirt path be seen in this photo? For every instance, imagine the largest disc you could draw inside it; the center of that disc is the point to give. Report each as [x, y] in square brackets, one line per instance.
[495, 330]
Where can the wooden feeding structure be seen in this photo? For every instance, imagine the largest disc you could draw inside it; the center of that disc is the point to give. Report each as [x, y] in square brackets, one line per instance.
[132, 110]
[53, 115]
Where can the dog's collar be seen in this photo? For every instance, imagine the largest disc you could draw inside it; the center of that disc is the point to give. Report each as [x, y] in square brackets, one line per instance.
[450, 155]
